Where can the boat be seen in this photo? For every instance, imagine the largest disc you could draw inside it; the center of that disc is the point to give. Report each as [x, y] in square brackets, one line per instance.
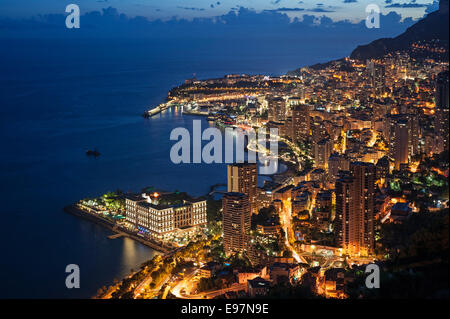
[94, 153]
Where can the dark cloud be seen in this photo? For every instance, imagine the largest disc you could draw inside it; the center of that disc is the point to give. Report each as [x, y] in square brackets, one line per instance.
[240, 22]
[320, 10]
[286, 10]
[191, 8]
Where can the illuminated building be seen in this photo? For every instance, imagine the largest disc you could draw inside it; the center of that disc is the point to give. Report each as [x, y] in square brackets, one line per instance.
[236, 222]
[322, 211]
[318, 129]
[344, 201]
[400, 143]
[243, 178]
[271, 228]
[163, 221]
[363, 207]
[300, 122]
[336, 163]
[284, 194]
[292, 102]
[355, 193]
[398, 132]
[334, 283]
[414, 133]
[382, 168]
[276, 109]
[376, 73]
[245, 274]
[318, 175]
[380, 110]
[288, 127]
[284, 272]
[301, 202]
[208, 270]
[280, 126]
[322, 151]
[403, 133]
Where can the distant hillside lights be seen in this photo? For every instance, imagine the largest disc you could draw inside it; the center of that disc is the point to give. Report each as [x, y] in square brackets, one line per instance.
[212, 151]
[373, 17]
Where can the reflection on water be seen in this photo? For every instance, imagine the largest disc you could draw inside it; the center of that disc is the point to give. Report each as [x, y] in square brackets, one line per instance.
[129, 249]
[133, 252]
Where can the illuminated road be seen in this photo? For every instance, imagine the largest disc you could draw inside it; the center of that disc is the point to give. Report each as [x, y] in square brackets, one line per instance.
[186, 284]
[183, 284]
[215, 293]
[256, 147]
[285, 220]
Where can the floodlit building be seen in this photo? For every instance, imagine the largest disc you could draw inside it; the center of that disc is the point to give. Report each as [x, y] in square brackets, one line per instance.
[243, 178]
[276, 108]
[158, 218]
[236, 222]
[322, 152]
[300, 122]
[355, 215]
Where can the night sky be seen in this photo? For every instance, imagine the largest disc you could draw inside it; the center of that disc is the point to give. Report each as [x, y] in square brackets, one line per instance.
[353, 10]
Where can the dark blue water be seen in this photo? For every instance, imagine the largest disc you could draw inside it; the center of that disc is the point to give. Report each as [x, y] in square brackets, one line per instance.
[61, 97]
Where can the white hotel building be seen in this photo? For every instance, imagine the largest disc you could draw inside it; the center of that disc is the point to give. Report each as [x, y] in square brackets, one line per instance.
[163, 222]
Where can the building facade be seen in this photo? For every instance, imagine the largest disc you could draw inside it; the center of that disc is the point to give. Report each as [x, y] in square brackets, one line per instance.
[300, 122]
[355, 192]
[243, 178]
[236, 222]
[276, 109]
[161, 222]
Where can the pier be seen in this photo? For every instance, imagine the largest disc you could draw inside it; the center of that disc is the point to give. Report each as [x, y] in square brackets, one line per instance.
[118, 235]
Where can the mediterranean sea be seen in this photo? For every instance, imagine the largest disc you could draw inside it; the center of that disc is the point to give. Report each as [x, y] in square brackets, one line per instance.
[60, 97]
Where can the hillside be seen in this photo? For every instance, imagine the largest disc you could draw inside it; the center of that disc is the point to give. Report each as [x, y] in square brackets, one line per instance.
[433, 26]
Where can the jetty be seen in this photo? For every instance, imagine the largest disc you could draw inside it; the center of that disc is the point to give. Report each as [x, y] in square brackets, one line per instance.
[118, 235]
[157, 110]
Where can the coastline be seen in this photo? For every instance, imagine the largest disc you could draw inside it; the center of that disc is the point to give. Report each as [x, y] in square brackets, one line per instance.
[118, 231]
